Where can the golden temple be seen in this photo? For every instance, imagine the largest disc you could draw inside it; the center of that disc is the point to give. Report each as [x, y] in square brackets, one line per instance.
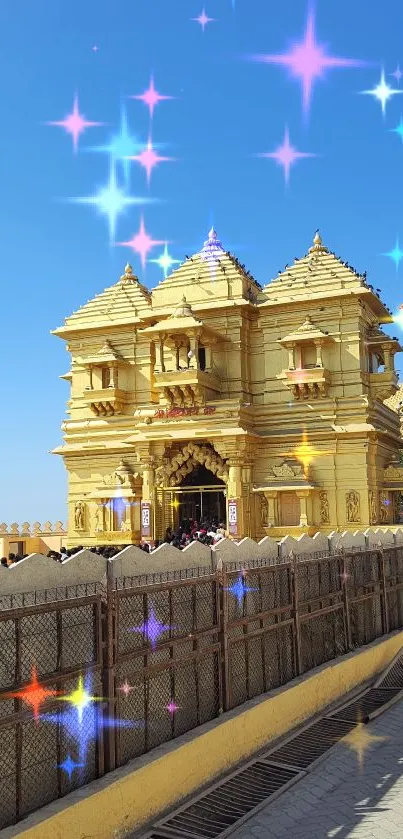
[211, 396]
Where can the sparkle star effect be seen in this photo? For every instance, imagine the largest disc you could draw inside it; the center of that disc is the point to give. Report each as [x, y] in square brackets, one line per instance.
[111, 201]
[152, 628]
[399, 129]
[126, 689]
[203, 19]
[75, 123]
[359, 740]
[84, 728]
[33, 694]
[80, 698]
[307, 61]
[286, 155]
[165, 261]
[240, 589]
[148, 158]
[151, 97]
[306, 453]
[397, 74]
[382, 92]
[172, 707]
[121, 146]
[141, 243]
[69, 766]
[396, 255]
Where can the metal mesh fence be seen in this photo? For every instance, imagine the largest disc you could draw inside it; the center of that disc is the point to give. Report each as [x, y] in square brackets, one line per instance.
[93, 676]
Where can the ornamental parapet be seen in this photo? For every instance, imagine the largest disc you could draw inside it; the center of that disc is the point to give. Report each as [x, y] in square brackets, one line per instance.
[36, 529]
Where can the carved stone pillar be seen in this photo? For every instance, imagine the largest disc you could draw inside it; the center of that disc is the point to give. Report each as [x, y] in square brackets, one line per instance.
[235, 505]
[271, 508]
[303, 497]
[159, 357]
[298, 357]
[148, 497]
[291, 357]
[319, 360]
[194, 358]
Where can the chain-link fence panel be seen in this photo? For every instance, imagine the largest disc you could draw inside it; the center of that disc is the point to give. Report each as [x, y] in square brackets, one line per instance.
[322, 638]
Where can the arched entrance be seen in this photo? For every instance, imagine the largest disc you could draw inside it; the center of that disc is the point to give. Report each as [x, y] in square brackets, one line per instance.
[200, 496]
[191, 484]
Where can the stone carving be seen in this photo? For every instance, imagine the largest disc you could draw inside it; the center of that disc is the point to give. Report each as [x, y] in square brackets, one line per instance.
[353, 506]
[384, 507]
[121, 477]
[79, 515]
[393, 473]
[287, 470]
[174, 468]
[98, 520]
[324, 507]
[372, 508]
[264, 510]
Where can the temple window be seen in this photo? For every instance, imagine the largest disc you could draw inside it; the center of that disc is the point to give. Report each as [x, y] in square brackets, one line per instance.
[106, 377]
[118, 513]
[202, 357]
[308, 356]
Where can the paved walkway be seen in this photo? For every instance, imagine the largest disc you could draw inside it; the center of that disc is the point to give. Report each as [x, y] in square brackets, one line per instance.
[337, 800]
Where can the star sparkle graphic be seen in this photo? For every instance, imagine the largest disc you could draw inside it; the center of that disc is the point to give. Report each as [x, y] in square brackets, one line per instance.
[359, 740]
[172, 707]
[397, 74]
[112, 201]
[152, 628]
[307, 61]
[34, 694]
[165, 261]
[141, 243]
[126, 689]
[306, 453]
[69, 766]
[240, 589]
[399, 129]
[75, 123]
[203, 19]
[396, 254]
[122, 146]
[148, 158]
[382, 92]
[151, 97]
[80, 698]
[286, 155]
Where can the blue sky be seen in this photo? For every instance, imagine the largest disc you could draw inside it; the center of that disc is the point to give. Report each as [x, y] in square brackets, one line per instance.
[55, 254]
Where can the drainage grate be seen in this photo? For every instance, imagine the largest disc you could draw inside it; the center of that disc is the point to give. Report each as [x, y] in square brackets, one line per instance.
[393, 678]
[360, 709]
[214, 813]
[311, 743]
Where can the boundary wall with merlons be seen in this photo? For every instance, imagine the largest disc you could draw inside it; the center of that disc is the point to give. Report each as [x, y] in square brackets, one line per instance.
[38, 572]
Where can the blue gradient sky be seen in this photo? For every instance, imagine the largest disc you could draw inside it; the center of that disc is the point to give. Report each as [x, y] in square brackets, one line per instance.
[55, 255]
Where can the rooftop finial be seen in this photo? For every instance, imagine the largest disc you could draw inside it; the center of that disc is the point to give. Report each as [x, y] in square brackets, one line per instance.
[212, 236]
[317, 243]
[128, 276]
[212, 246]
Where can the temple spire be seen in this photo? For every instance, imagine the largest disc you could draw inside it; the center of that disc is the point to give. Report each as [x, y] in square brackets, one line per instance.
[128, 276]
[212, 245]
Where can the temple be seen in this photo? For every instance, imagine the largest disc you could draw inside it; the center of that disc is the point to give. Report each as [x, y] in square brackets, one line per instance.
[211, 396]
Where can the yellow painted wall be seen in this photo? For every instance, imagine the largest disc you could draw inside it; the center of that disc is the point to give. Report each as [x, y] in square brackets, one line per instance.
[131, 800]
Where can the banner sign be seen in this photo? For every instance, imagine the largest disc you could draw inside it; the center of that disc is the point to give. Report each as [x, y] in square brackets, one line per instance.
[145, 518]
[233, 517]
[170, 413]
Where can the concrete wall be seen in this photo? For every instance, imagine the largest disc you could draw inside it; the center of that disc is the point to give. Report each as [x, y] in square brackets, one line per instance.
[37, 571]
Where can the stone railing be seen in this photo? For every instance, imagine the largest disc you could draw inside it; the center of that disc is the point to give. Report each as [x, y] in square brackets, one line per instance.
[36, 529]
[38, 572]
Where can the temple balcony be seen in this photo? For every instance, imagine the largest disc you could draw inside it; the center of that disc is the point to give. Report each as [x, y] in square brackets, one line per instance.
[106, 402]
[382, 385]
[186, 388]
[307, 383]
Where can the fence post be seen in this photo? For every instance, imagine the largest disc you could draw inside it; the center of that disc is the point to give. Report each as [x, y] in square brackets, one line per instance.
[346, 604]
[109, 644]
[297, 629]
[384, 596]
[221, 576]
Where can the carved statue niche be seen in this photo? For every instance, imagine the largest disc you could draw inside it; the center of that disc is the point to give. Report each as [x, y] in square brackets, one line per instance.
[372, 508]
[79, 510]
[353, 506]
[384, 507]
[264, 510]
[324, 507]
[98, 519]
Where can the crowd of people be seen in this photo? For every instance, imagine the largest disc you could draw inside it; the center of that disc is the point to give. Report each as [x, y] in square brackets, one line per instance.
[189, 530]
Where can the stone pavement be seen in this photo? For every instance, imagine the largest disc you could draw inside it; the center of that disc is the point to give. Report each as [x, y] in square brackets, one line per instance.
[337, 800]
